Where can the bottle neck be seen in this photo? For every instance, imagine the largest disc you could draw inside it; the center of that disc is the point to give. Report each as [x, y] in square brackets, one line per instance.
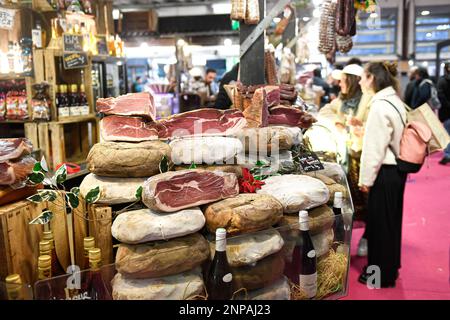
[304, 225]
[221, 245]
[45, 273]
[95, 264]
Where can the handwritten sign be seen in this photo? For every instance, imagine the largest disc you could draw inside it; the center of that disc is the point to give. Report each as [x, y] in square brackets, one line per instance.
[310, 162]
[7, 18]
[72, 43]
[75, 60]
[102, 46]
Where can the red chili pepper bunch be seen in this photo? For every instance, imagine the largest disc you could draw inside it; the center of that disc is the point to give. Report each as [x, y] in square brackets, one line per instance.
[248, 184]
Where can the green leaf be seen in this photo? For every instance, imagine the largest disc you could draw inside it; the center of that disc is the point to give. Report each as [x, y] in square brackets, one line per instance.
[75, 191]
[139, 193]
[260, 163]
[93, 195]
[37, 167]
[48, 195]
[36, 198]
[44, 165]
[164, 165]
[43, 218]
[72, 200]
[193, 166]
[36, 177]
[61, 174]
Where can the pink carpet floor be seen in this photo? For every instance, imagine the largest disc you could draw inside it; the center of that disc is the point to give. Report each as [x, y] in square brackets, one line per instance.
[426, 241]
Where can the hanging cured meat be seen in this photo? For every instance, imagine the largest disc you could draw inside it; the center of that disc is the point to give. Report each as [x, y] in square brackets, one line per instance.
[327, 32]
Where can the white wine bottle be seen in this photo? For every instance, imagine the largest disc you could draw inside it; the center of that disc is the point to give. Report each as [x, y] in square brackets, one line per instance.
[339, 222]
[219, 281]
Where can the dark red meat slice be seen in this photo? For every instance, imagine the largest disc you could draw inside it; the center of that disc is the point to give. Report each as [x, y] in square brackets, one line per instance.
[133, 104]
[120, 128]
[14, 148]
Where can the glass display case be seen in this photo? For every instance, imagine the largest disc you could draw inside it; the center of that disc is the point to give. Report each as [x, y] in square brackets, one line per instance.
[264, 264]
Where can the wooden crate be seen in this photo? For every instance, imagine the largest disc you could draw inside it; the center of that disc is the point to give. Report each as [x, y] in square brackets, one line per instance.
[19, 241]
[42, 6]
[103, 16]
[68, 140]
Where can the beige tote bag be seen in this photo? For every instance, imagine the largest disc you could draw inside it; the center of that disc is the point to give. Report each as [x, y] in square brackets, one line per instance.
[440, 138]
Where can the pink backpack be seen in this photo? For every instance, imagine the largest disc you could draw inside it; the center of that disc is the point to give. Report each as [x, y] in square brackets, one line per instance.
[413, 145]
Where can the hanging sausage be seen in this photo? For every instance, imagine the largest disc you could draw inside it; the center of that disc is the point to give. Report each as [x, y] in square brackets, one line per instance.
[327, 32]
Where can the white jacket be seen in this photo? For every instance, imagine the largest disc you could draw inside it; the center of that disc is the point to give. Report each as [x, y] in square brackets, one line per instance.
[384, 128]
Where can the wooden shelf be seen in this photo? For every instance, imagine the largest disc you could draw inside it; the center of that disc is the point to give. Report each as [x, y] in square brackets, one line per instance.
[75, 119]
[14, 121]
[14, 76]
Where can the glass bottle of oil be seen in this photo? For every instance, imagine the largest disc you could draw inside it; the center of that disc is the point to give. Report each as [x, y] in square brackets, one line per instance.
[96, 287]
[57, 269]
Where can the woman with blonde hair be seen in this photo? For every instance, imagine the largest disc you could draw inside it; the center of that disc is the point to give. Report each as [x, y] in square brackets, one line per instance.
[379, 174]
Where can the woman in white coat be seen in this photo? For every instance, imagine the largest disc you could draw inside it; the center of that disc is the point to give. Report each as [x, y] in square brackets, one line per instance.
[379, 174]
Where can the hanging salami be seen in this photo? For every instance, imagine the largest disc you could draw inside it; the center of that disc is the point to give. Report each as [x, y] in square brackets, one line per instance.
[238, 9]
[345, 18]
[344, 43]
[327, 32]
[252, 12]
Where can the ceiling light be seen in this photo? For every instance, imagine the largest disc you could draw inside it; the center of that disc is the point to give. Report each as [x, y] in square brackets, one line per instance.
[277, 20]
[221, 8]
[116, 14]
[411, 63]
[227, 42]
[429, 35]
[425, 64]
[316, 13]
[306, 19]
[425, 13]
[317, 3]
[443, 27]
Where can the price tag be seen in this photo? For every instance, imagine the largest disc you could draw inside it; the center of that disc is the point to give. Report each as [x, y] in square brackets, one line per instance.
[310, 162]
[72, 43]
[7, 18]
[75, 60]
[102, 46]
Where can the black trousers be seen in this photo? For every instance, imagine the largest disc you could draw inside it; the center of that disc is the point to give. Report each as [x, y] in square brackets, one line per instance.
[384, 226]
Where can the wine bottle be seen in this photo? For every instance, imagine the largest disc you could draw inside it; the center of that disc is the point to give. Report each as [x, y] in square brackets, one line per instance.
[88, 244]
[96, 287]
[339, 222]
[57, 269]
[14, 287]
[44, 273]
[219, 282]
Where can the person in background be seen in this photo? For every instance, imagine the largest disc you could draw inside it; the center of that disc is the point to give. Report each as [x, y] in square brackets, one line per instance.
[137, 85]
[351, 110]
[379, 174]
[354, 61]
[335, 88]
[443, 88]
[318, 81]
[422, 88]
[223, 101]
[211, 87]
[409, 91]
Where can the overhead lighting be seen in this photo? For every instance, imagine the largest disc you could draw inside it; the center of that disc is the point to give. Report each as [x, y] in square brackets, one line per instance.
[221, 8]
[317, 3]
[277, 20]
[443, 27]
[425, 64]
[429, 35]
[306, 19]
[116, 14]
[425, 13]
[227, 42]
[411, 63]
[316, 13]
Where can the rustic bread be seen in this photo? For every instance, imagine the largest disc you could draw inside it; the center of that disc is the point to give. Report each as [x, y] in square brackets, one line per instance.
[139, 226]
[320, 219]
[279, 290]
[247, 212]
[126, 159]
[230, 168]
[176, 287]
[332, 185]
[162, 258]
[250, 248]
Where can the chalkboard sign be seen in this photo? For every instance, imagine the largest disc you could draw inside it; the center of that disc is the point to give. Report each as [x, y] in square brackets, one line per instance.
[310, 162]
[72, 43]
[75, 60]
[102, 46]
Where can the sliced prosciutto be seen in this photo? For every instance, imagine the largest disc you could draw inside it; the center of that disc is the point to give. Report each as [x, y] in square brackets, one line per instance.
[290, 116]
[132, 104]
[133, 129]
[201, 122]
[176, 190]
[16, 170]
[14, 148]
